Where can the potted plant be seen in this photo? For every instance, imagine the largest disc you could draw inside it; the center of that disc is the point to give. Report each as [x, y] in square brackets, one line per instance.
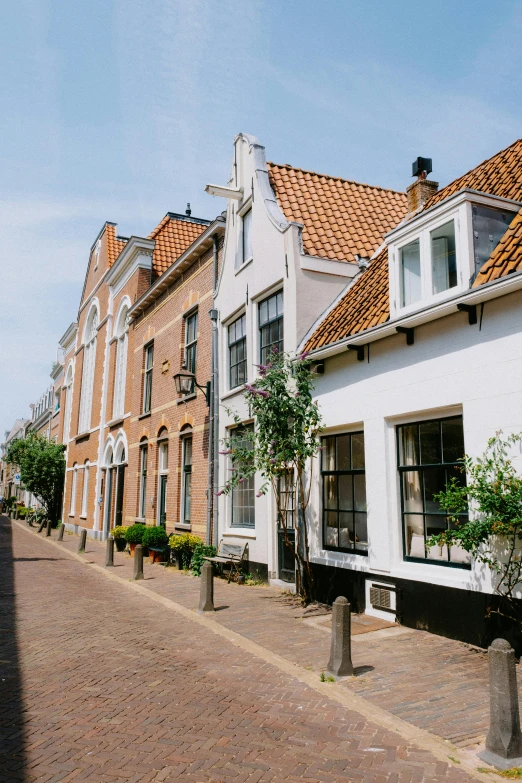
[157, 541]
[118, 533]
[201, 551]
[134, 536]
[182, 546]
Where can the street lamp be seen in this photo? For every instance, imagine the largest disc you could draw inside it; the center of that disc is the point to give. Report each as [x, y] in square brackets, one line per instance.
[185, 381]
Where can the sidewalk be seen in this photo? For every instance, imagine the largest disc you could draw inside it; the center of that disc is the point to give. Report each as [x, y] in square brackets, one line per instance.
[434, 683]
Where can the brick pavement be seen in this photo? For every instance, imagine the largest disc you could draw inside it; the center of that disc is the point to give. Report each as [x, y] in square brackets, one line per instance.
[435, 683]
[101, 685]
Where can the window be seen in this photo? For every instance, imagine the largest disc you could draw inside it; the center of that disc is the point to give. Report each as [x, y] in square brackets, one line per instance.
[186, 478]
[72, 510]
[121, 334]
[428, 454]
[191, 342]
[147, 380]
[163, 470]
[247, 237]
[237, 352]
[143, 480]
[410, 273]
[443, 258]
[68, 404]
[344, 493]
[271, 326]
[489, 226]
[85, 491]
[243, 495]
[89, 360]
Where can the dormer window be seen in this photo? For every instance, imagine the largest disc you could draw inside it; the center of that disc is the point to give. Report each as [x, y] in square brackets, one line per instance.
[443, 258]
[489, 226]
[410, 273]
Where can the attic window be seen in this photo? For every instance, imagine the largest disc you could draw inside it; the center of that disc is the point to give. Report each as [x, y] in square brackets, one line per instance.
[489, 226]
[97, 249]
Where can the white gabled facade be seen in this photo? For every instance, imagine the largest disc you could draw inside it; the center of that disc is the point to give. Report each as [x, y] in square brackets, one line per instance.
[263, 257]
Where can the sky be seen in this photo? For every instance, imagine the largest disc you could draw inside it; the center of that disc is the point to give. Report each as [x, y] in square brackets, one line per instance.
[123, 110]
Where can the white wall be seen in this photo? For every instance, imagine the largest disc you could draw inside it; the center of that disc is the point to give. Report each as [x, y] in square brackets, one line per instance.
[451, 368]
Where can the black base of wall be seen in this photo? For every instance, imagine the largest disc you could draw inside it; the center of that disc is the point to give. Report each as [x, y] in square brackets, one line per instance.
[259, 570]
[457, 614]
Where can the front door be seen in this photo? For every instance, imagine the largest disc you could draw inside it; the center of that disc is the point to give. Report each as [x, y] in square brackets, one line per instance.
[286, 548]
[162, 506]
[120, 484]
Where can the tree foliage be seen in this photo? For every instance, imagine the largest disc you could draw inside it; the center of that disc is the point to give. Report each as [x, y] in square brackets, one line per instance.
[42, 470]
[281, 449]
[493, 532]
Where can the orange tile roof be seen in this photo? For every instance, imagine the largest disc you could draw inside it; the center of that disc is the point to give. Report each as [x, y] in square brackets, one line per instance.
[500, 175]
[506, 257]
[173, 236]
[341, 218]
[365, 304]
[114, 245]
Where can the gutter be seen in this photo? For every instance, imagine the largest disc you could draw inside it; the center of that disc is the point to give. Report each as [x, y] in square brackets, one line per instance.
[486, 292]
[213, 456]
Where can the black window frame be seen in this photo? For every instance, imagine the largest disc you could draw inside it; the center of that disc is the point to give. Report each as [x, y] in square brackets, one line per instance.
[237, 368]
[267, 328]
[338, 510]
[148, 352]
[422, 468]
[191, 346]
[247, 486]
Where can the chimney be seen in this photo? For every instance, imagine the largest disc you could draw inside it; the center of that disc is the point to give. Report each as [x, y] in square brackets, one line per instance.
[422, 188]
[188, 211]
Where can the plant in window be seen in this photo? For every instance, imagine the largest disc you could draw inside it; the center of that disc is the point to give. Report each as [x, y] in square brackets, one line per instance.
[493, 534]
[283, 443]
[42, 470]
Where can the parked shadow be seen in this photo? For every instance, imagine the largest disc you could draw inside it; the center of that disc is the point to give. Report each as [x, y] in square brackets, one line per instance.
[33, 559]
[359, 670]
[12, 729]
[220, 608]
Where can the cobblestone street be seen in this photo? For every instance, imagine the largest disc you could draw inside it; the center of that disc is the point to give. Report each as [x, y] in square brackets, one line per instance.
[101, 684]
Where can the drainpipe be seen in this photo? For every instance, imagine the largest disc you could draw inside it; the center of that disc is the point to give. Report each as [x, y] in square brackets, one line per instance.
[213, 443]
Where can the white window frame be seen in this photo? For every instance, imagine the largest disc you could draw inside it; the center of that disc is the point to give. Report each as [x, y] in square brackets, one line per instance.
[72, 509]
[185, 437]
[85, 490]
[89, 364]
[163, 469]
[68, 403]
[120, 372]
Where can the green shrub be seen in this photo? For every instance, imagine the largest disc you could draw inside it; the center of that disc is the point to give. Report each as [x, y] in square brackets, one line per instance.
[134, 534]
[155, 537]
[184, 543]
[119, 532]
[201, 551]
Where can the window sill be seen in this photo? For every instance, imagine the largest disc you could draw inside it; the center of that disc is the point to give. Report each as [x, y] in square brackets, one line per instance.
[243, 266]
[233, 392]
[114, 422]
[139, 520]
[144, 415]
[357, 552]
[239, 532]
[186, 398]
[182, 526]
[83, 516]
[81, 435]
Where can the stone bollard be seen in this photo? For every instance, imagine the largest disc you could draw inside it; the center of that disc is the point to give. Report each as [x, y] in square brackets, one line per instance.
[83, 539]
[42, 525]
[61, 532]
[109, 554]
[504, 739]
[206, 598]
[340, 663]
[138, 563]
[48, 531]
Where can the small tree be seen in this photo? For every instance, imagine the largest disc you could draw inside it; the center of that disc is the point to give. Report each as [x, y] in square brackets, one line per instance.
[493, 533]
[42, 470]
[281, 448]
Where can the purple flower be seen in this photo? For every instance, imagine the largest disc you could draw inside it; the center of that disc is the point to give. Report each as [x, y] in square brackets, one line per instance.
[250, 388]
[272, 461]
[263, 393]
[228, 451]
[219, 493]
[275, 349]
[304, 355]
[258, 494]
[241, 480]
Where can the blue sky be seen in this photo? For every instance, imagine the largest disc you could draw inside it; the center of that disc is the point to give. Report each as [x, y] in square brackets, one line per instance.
[124, 109]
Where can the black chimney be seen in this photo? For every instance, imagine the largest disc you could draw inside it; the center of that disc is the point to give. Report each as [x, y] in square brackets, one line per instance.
[188, 211]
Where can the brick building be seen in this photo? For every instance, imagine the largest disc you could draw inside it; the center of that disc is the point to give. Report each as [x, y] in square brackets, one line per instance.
[169, 441]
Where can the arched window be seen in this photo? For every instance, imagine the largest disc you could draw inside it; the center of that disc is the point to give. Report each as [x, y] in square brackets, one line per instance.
[85, 491]
[89, 359]
[68, 403]
[121, 333]
[72, 510]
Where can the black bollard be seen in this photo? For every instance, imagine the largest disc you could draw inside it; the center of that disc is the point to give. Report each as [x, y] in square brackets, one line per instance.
[42, 525]
[138, 563]
[83, 539]
[60, 532]
[504, 739]
[109, 554]
[340, 663]
[48, 531]
[206, 597]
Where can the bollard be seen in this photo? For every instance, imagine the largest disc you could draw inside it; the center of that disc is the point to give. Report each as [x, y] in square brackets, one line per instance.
[48, 531]
[340, 663]
[504, 739]
[138, 563]
[206, 598]
[109, 554]
[83, 539]
[42, 525]
[60, 532]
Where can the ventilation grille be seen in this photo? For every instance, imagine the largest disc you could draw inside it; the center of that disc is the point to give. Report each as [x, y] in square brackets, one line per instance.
[380, 598]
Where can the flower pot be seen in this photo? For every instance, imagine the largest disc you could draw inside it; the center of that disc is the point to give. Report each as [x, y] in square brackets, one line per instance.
[155, 556]
[121, 544]
[132, 547]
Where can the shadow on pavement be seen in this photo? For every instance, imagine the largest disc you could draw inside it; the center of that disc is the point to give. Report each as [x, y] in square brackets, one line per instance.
[12, 733]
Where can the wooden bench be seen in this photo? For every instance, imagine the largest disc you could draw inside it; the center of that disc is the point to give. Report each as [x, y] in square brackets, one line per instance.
[232, 555]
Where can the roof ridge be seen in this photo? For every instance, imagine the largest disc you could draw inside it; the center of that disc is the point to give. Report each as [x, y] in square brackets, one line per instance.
[338, 179]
